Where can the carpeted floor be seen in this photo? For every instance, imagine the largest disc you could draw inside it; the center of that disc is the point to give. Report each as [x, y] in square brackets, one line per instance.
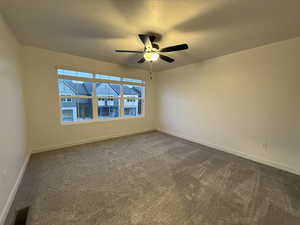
[154, 179]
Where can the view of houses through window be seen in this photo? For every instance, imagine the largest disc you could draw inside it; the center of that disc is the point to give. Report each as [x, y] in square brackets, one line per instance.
[87, 96]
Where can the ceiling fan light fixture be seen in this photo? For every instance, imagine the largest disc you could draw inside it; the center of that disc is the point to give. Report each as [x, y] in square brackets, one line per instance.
[151, 56]
[152, 51]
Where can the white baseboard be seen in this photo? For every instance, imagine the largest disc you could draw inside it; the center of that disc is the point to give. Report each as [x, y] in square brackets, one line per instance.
[13, 192]
[86, 141]
[261, 160]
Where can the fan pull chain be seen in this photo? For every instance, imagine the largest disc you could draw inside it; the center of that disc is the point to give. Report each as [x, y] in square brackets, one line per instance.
[151, 69]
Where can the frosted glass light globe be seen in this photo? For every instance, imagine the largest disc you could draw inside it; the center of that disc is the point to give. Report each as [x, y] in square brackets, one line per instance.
[151, 56]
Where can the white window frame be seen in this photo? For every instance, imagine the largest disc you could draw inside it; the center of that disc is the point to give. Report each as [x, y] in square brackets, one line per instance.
[95, 98]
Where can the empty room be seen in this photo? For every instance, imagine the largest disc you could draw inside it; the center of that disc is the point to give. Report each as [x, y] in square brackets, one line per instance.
[150, 112]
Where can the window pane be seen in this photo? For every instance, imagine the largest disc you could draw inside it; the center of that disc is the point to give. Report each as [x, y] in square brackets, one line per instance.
[74, 73]
[107, 77]
[133, 107]
[107, 90]
[77, 109]
[108, 108]
[133, 80]
[75, 88]
[133, 91]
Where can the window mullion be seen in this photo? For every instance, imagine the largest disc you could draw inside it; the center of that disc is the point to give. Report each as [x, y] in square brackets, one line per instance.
[121, 101]
[95, 102]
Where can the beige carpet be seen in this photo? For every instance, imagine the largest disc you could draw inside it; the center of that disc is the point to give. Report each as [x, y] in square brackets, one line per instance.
[154, 179]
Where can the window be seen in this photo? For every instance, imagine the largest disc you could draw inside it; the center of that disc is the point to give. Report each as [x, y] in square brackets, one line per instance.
[133, 97]
[106, 77]
[133, 107]
[74, 73]
[87, 96]
[109, 96]
[79, 109]
[75, 88]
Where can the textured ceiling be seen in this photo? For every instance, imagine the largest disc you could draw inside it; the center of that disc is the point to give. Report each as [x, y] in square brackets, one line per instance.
[95, 28]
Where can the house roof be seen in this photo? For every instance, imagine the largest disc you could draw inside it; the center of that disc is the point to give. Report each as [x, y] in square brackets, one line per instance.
[103, 89]
[76, 88]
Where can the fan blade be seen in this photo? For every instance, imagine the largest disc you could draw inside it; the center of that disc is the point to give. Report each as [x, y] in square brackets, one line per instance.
[166, 58]
[175, 48]
[152, 38]
[129, 51]
[143, 38]
[141, 60]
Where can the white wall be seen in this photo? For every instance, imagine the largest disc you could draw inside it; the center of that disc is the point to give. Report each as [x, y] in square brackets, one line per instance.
[247, 103]
[13, 153]
[44, 127]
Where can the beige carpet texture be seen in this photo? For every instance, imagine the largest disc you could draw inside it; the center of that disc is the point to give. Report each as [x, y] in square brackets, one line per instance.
[154, 179]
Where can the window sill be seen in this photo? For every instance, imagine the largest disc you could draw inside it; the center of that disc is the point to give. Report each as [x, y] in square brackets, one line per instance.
[103, 120]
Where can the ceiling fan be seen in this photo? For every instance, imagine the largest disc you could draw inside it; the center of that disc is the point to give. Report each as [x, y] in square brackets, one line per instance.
[151, 50]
